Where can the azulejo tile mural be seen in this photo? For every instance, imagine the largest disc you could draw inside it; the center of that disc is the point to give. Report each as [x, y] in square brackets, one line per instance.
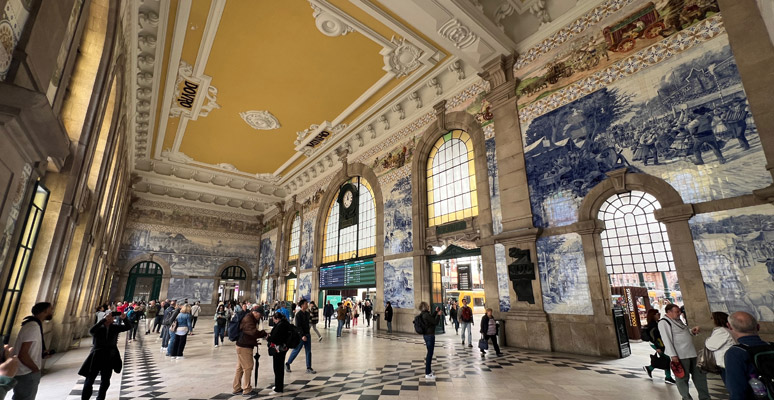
[563, 276]
[267, 254]
[684, 120]
[306, 258]
[304, 286]
[736, 254]
[397, 217]
[399, 282]
[270, 292]
[193, 289]
[187, 254]
[494, 186]
[502, 278]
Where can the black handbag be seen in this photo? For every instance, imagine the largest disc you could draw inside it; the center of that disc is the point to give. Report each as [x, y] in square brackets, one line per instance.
[483, 344]
[660, 361]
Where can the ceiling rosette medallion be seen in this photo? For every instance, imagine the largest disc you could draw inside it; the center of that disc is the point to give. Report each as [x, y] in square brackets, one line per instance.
[262, 120]
[194, 96]
[403, 59]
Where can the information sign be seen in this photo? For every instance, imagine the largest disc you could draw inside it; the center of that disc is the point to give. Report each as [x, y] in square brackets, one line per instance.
[348, 275]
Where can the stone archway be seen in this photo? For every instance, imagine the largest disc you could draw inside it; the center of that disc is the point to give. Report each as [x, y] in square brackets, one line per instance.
[248, 281]
[125, 269]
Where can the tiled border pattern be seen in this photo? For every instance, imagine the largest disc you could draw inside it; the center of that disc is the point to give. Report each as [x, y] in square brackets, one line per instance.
[667, 48]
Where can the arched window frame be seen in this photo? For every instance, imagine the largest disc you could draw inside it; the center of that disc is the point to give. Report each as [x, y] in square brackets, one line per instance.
[364, 233]
[452, 192]
[294, 245]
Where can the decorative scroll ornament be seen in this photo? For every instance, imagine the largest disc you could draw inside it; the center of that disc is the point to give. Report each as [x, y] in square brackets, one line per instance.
[403, 59]
[262, 120]
[176, 156]
[458, 33]
[329, 24]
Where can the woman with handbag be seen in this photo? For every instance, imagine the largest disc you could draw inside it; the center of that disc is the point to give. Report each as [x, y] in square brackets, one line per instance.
[720, 341]
[658, 360]
[278, 349]
[180, 328]
[489, 330]
[222, 316]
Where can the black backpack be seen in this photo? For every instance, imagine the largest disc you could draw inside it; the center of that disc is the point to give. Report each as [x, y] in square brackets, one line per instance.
[419, 325]
[762, 358]
[294, 337]
[234, 331]
[645, 334]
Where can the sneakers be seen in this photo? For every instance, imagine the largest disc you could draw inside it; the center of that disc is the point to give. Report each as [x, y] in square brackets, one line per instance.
[499, 354]
[319, 339]
[287, 367]
[274, 392]
[648, 371]
[669, 380]
[173, 358]
[216, 346]
[247, 394]
[310, 371]
[237, 392]
[430, 377]
[463, 342]
[470, 345]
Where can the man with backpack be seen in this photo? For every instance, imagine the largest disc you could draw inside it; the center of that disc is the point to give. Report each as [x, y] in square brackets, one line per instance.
[302, 323]
[170, 315]
[466, 321]
[425, 324]
[31, 350]
[246, 336]
[314, 318]
[749, 363]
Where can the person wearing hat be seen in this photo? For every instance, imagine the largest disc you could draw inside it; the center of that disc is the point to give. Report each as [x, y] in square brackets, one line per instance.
[701, 130]
[249, 333]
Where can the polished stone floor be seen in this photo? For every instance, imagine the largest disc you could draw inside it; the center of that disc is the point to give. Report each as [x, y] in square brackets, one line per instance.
[363, 364]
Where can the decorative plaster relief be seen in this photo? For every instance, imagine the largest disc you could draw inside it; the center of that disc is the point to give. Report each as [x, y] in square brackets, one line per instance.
[460, 35]
[327, 23]
[188, 100]
[262, 120]
[403, 59]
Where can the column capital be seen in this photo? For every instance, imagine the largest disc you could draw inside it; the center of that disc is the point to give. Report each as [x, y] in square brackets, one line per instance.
[682, 212]
[589, 227]
[502, 82]
[520, 236]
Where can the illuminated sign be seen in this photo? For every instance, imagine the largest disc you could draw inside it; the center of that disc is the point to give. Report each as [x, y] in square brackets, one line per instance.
[348, 275]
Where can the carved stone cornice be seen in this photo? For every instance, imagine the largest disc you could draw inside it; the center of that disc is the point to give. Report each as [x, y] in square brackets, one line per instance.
[528, 235]
[502, 82]
[682, 212]
[589, 227]
[440, 114]
[618, 178]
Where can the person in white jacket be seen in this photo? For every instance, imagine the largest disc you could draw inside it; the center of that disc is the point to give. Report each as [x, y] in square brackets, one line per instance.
[720, 341]
[679, 346]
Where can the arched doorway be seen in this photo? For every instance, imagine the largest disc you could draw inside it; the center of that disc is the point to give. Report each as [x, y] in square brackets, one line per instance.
[232, 283]
[144, 282]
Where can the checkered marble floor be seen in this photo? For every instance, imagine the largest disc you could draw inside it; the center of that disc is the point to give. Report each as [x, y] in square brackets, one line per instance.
[364, 364]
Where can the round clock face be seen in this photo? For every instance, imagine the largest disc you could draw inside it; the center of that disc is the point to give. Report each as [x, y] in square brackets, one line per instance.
[347, 199]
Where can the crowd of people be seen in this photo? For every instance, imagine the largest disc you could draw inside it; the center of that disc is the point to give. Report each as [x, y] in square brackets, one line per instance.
[729, 351]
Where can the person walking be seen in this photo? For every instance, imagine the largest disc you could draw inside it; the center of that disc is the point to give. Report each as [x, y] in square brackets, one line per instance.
[302, 322]
[150, 316]
[429, 322]
[249, 333]
[183, 328]
[388, 316]
[720, 341]
[657, 344]
[314, 318]
[738, 361]
[679, 346]
[341, 315]
[356, 312]
[489, 330]
[195, 310]
[172, 336]
[348, 315]
[221, 318]
[104, 357]
[278, 339]
[466, 320]
[159, 317]
[453, 317]
[367, 309]
[31, 350]
[328, 312]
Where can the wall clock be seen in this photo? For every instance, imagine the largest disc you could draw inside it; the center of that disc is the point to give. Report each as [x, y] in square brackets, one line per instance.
[348, 205]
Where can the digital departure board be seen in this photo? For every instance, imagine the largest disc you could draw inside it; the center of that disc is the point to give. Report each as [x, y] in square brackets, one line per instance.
[348, 275]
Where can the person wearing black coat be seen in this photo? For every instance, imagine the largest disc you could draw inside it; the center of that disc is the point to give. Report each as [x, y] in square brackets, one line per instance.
[278, 339]
[429, 322]
[489, 330]
[104, 357]
[388, 317]
[328, 312]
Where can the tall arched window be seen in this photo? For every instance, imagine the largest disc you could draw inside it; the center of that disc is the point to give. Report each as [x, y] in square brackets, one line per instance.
[451, 179]
[295, 238]
[355, 241]
[633, 240]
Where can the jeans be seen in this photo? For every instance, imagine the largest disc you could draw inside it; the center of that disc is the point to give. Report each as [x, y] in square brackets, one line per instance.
[466, 326]
[430, 343]
[193, 322]
[327, 322]
[133, 333]
[338, 330]
[165, 336]
[699, 378]
[219, 332]
[279, 371]
[88, 385]
[178, 346]
[314, 326]
[27, 386]
[171, 344]
[456, 324]
[389, 326]
[157, 323]
[307, 345]
[494, 343]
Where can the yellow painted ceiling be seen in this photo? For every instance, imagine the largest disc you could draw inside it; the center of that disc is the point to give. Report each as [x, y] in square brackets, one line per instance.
[269, 55]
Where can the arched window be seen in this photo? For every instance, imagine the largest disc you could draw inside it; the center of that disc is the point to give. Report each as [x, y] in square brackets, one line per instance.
[295, 238]
[633, 240]
[357, 240]
[451, 179]
[234, 272]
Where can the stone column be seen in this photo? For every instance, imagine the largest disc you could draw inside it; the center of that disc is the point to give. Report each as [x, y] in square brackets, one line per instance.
[697, 308]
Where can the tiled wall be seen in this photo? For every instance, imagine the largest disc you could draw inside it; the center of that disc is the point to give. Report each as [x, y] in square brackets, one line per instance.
[268, 253]
[563, 275]
[399, 282]
[304, 286]
[191, 289]
[398, 216]
[502, 278]
[306, 259]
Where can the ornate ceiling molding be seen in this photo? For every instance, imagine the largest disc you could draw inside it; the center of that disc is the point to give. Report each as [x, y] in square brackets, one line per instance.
[191, 92]
[456, 32]
[328, 23]
[262, 120]
[403, 59]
